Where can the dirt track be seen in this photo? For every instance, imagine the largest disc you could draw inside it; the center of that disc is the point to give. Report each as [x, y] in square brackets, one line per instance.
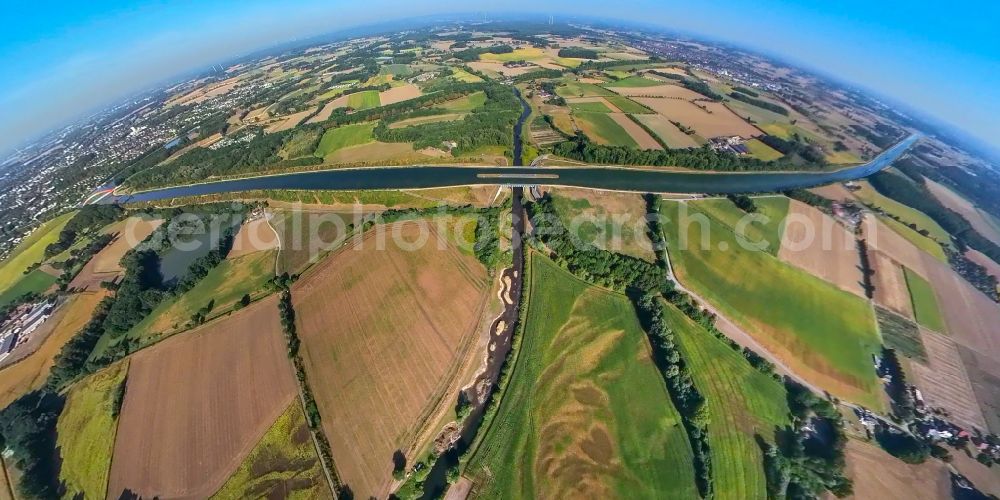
[197, 403]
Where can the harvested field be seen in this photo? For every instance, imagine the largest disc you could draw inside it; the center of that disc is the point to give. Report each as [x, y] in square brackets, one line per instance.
[901, 334]
[420, 120]
[638, 134]
[254, 236]
[891, 244]
[907, 214]
[984, 374]
[376, 153]
[992, 268]
[603, 129]
[815, 242]
[324, 114]
[384, 330]
[675, 92]
[944, 382]
[289, 121]
[399, 94]
[307, 235]
[499, 68]
[877, 474]
[601, 104]
[31, 372]
[714, 121]
[197, 404]
[979, 220]
[131, 232]
[835, 192]
[668, 132]
[986, 479]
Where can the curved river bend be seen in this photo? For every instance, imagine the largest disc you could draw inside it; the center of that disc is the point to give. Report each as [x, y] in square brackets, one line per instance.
[615, 178]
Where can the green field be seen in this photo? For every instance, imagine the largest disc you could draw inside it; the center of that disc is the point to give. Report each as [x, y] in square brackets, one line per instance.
[775, 208]
[908, 215]
[628, 105]
[635, 81]
[224, 285]
[396, 70]
[363, 100]
[925, 306]
[918, 240]
[586, 412]
[762, 151]
[85, 433]
[31, 250]
[901, 334]
[590, 107]
[573, 88]
[602, 129]
[522, 54]
[742, 402]
[602, 225]
[283, 464]
[826, 334]
[468, 103]
[464, 76]
[36, 281]
[344, 136]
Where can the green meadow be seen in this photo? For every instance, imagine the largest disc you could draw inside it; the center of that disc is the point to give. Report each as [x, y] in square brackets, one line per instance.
[603, 129]
[344, 136]
[925, 306]
[586, 412]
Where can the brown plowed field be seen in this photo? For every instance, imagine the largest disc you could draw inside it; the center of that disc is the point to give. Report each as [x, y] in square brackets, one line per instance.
[380, 332]
[399, 94]
[197, 403]
[880, 237]
[984, 373]
[890, 284]
[877, 474]
[254, 236]
[816, 243]
[944, 383]
[979, 221]
[715, 121]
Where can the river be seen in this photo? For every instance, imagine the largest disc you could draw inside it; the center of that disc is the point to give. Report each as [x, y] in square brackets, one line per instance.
[601, 177]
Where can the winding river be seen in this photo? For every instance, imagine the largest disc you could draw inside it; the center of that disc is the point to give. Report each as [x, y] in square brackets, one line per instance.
[600, 177]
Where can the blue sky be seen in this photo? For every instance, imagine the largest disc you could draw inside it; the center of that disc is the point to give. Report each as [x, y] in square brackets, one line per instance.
[61, 59]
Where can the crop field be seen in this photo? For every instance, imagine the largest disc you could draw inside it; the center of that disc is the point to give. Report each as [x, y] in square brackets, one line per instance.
[31, 250]
[714, 120]
[908, 215]
[590, 107]
[769, 233]
[131, 232]
[635, 131]
[344, 136]
[603, 129]
[31, 372]
[918, 240]
[668, 132]
[283, 464]
[383, 330]
[609, 220]
[893, 245]
[197, 404]
[815, 242]
[742, 402]
[525, 54]
[635, 81]
[86, 432]
[222, 287]
[626, 105]
[36, 281]
[944, 381]
[307, 235]
[464, 76]
[398, 94]
[981, 221]
[762, 151]
[254, 236]
[465, 104]
[901, 334]
[877, 474]
[573, 88]
[363, 100]
[925, 306]
[661, 92]
[890, 284]
[822, 332]
[420, 120]
[586, 413]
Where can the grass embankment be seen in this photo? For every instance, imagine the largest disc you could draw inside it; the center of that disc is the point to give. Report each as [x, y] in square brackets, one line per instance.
[223, 286]
[603, 129]
[284, 464]
[820, 331]
[344, 136]
[742, 403]
[570, 420]
[925, 306]
[86, 432]
[30, 251]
